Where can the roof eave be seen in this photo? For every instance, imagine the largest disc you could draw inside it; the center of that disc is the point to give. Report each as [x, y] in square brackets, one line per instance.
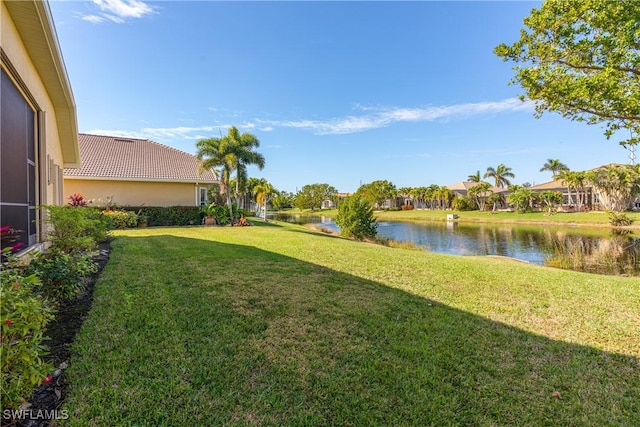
[34, 23]
[125, 179]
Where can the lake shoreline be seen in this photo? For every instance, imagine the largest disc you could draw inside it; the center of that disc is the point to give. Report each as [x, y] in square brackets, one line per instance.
[571, 246]
[476, 217]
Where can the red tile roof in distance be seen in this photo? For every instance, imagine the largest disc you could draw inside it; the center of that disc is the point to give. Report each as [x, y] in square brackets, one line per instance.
[132, 159]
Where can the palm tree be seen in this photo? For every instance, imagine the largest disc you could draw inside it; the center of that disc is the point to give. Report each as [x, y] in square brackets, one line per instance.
[444, 196]
[617, 185]
[500, 174]
[480, 193]
[232, 152]
[555, 166]
[214, 153]
[264, 191]
[475, 177]
[250, 185]
[574, 181]
[432, 195]
[243, 145]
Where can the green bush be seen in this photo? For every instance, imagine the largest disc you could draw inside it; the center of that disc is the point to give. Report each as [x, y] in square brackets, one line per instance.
[619, 219]
[24, 316]
[62, 275]
[463, 203]
[76, 229]
[120, 219]
[219, 212]
[355, 218]
[168, 216]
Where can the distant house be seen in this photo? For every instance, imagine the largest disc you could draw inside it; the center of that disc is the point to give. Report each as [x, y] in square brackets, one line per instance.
[588, 199]
[38, 125]
[333, 203]
[137, 172]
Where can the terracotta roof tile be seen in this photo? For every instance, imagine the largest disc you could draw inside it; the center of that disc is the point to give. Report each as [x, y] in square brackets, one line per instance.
[466, 185]
[139, 159]
[551, 185]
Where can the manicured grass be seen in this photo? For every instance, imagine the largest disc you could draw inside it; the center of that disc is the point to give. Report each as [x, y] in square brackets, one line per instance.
[280, 325]
[580, 218]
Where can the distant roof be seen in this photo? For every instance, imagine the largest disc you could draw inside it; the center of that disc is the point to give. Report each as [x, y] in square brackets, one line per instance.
[123, 159]
[551, 185]
[466, 185]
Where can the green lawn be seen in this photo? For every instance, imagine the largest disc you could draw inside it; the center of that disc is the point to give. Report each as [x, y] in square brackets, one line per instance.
[281, 325]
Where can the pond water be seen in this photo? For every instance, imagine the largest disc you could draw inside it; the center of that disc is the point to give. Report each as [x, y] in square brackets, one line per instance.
[581, 249]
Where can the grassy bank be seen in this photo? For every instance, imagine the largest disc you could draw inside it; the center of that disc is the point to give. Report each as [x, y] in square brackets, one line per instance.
[597, 219]
[280, 325]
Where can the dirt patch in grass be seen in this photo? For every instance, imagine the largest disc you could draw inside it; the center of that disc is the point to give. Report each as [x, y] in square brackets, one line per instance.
[60, 333]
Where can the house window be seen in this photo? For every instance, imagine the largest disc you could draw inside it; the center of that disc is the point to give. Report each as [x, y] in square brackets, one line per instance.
[204, 200]
[19, 187]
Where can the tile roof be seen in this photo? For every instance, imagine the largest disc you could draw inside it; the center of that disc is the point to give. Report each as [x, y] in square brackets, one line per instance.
[551, 185]
[466, 185]
[117, 158]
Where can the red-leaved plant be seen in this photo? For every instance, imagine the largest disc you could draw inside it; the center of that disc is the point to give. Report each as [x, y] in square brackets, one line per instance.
[77, 200]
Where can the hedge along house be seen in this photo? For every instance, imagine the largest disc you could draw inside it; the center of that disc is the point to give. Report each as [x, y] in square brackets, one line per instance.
[38, 126]
[137, 172]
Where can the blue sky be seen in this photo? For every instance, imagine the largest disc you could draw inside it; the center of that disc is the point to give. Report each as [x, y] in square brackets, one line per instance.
[337, 92]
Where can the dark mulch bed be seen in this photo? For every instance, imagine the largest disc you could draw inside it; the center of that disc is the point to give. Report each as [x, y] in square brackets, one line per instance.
[60, 333]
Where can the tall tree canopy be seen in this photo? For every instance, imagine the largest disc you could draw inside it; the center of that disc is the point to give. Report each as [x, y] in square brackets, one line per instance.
[377, 192]
[581, 58]
[555, 166]
[480, 193]
[311, 196]
[617, 185]
[475, 177]
[500, 174]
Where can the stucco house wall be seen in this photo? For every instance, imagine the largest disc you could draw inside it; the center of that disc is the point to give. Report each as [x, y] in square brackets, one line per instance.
[135, 193]
[38, 132]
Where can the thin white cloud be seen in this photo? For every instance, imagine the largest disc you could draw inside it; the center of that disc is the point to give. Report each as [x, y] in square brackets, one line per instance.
[163, 134]
[377, 117]
[118, 11]
[94, 19]
[373, 118]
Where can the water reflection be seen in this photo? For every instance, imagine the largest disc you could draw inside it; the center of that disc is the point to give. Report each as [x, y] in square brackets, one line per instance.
[576, 249]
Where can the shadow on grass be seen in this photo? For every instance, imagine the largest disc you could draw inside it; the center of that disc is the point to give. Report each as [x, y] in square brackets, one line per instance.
[186, 331]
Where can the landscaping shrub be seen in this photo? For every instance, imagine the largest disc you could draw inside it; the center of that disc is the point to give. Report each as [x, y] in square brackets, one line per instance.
[355, 218]
[407, 207]
[619, 219]
[121, 219]
[168, 216]
[219, 212]
[61, 275]
[76, 229]
[24, 315]
[463, 203]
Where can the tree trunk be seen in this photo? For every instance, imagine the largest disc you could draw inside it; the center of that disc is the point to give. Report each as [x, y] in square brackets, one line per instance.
[229, 205]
